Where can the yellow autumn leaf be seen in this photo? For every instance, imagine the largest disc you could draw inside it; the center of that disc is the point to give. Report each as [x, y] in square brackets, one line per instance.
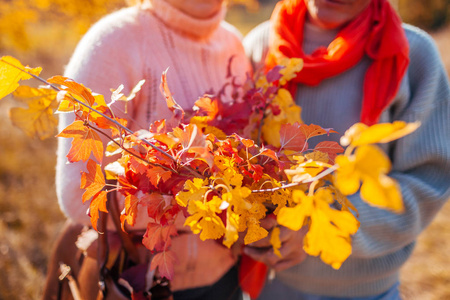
[254, 231]
[294, 217]
[305, 170]
[289, 114]
[318, 156]
[203, 218]
[271, 131]
[38, 119]
[330, 230]
[383, 192]
[360, 134]
[193, 190]
[275, 241]
[326, 240]
[368, 165]
[231, 230]
[292, 67]
[11, 72]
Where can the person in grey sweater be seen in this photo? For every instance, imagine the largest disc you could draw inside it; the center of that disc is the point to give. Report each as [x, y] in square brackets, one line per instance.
[420, 161]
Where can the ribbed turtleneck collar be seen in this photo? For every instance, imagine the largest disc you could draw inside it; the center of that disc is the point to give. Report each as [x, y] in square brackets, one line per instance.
[315, 37]
[180, 21]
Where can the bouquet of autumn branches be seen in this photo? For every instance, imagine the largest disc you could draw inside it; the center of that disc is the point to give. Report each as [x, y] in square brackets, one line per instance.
[223, 166]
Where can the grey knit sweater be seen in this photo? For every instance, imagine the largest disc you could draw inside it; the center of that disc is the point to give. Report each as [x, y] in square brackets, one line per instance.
[420, 163]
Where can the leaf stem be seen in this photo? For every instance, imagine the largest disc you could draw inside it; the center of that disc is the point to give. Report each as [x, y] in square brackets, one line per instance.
[292, 184]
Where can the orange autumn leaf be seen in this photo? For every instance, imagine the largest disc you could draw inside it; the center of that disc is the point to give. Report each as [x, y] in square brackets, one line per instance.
[292, 138]
[11, 72]
[129, 213]
[37, 120]
[92, 181]
[174, 107]
[208, 107]
[77, 89]
[85, 141]
[313, 130]
[157, 236]
[158, 175]
[329, 147]
[98, 203]
[165, 262]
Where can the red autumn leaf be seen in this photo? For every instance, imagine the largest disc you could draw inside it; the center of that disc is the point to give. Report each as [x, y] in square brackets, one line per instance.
[207, 106]
[93, 181]
[158, 127]
[85, 141]
[248, 143]
[74, 88]
[312, 130]
[164, 261]
[330, 147]
[130, 211]
[292, 138]
[270, 153]
[98, 203]
[158, 237]
[255, 171]
[156, 204]
[157, 175]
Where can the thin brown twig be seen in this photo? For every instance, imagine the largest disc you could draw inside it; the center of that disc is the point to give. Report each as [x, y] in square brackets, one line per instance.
[190, 170]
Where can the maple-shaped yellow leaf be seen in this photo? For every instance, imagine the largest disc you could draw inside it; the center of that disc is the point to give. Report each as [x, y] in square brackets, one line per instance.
[11, 72]
[360, 134]
[85, 141]
[193, 190]
[203, 218]
[327, 240]
[368, 165]
[275, 241]
[38, 119]
[294, 217]
[329, 229]
[231, 230]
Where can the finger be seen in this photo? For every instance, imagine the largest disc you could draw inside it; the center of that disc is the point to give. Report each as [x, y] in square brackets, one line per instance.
[257, 253]
[284, 264]
[268, 223]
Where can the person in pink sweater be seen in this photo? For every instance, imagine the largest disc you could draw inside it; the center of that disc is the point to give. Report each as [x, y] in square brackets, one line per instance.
[140, 42]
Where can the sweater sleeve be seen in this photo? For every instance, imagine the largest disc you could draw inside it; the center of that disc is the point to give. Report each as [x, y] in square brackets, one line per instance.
[104, 59]
[420, 161]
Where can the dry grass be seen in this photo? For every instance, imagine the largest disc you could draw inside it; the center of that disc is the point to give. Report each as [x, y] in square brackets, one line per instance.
[426, 276]
[30, 218]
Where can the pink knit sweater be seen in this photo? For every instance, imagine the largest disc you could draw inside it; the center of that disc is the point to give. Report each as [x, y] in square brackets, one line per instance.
[140, 43]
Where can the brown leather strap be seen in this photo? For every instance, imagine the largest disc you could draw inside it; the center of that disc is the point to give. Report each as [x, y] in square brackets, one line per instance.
[127, 243]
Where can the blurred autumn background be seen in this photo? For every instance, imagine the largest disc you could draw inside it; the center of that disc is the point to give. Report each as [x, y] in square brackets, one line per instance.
[44, 33]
